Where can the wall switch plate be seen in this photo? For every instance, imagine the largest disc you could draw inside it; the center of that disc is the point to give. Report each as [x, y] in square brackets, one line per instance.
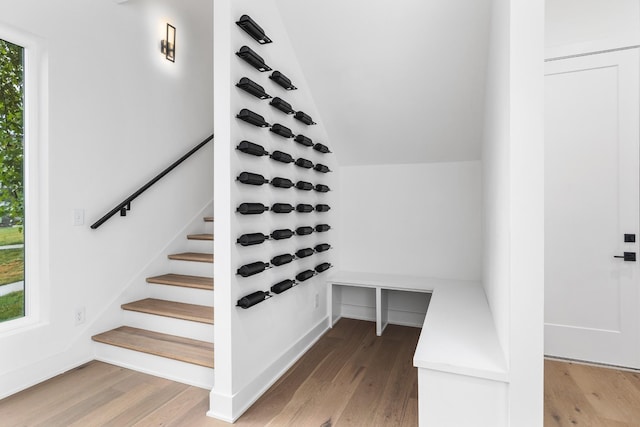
[78, 217]
[79, 315]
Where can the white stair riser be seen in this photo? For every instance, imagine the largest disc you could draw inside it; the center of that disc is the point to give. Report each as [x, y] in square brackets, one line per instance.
[205, 246]
[167, 325]
[181, 294]
[192, 268]
[187, 373]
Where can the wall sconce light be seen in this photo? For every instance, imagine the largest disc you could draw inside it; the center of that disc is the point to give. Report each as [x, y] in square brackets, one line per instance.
[168, 46]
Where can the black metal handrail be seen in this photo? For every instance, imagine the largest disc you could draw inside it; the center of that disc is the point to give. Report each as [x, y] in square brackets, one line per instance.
[125, 205]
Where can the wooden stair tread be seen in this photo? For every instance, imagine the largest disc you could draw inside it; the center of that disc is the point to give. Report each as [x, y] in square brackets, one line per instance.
[169, 346]
[192, 256]
[203, 236]
[208, 219]
[186, 281]
[176, 310]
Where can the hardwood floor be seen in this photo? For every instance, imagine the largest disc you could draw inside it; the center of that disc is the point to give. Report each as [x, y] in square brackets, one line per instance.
[349, 378]
[583, 395]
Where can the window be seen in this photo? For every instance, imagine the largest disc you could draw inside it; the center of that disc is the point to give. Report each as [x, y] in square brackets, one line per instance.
[12, 214]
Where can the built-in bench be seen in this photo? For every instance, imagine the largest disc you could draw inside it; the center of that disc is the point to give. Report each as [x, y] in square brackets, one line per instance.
[459, 358]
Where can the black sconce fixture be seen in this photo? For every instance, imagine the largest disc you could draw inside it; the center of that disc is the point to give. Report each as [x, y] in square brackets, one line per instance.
[253, 59]
[252, 88]
[281, 182]
[282, 208]
[321, 228]
[321, 188]
[304, 208]
[252, 269]
[252, 178]
[303, 231]
[283, 131]
[253, 149]
[252, 118]
[282, 260]
[168, 45]
[281, 157]
[285, 233]
[321, 148]
[323, 208]
[301, 139]
[282, 80]
[304, 118]
[303, 185]
[322, 247]
[281, 105]
[303, 253]
[280, 287]
[304, 163]
[323, 267]
[321, 168]
[252, 239]
[253, 29]
[252, 208]
[305, 275]
[253, 299]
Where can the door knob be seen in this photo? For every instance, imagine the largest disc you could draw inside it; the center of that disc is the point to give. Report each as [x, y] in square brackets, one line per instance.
[628, 256]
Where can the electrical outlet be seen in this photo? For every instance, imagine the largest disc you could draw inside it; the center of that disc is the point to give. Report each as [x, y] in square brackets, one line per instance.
[78, 217]
[79, 315]
[317, 301]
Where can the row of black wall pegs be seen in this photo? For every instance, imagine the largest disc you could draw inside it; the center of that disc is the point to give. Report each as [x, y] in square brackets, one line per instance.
[256, 179]
[259, 296]
[258, 208]
[257, 267]
[258, 150]
[251, 239]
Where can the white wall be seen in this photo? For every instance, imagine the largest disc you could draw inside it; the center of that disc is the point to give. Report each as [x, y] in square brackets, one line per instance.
[118, 114]
[513, 175]
[254, 346]
[578, 26]
[414, 219]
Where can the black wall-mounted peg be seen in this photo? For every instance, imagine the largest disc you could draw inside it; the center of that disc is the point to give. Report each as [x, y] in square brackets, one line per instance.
[281, 105]
[305, 275]
[282, 208]
[253, 299]
[303, 140]
[252, 28]
[322, 247]
[282, 157]
[304, 118]
[323, 267]
[252, 208]
[304, 163]
[252, 88]
[252, 178]
[323, 208]
[321, 188]
[281, 130]
[303, 231]
[321, 148]
[321, 168]
[252, 239]
[303, 253]
[280, 287]
[253, 59]
[252, 269]
[321, 228]
[252, 118]
[282, 259]
[253, 149]
[282, 80]
[304, 185]
[281, 182]
[282, 234]
[304, 208]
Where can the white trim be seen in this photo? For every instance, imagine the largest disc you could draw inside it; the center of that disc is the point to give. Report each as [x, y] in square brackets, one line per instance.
[230, 408]
[35, 179]
[591, 47]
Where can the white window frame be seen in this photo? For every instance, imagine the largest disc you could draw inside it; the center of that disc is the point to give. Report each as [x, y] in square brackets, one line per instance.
[36, 221]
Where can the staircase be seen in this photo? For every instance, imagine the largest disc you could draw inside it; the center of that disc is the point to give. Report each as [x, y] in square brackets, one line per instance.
[170, 334]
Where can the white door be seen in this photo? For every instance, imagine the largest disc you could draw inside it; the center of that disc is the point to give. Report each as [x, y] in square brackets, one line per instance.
[592, 198]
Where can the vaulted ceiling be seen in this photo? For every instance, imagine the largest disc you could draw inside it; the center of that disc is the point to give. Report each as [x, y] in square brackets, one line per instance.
[394, 82]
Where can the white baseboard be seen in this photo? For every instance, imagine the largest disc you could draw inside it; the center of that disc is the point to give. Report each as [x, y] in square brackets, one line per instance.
[395, 317]
[229, 408]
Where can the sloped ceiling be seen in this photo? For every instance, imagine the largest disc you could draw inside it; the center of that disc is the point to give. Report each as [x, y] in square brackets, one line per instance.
[395, 81]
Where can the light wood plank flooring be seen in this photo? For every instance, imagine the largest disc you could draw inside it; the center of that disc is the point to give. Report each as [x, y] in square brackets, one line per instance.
[349, 378]
[583, 395]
